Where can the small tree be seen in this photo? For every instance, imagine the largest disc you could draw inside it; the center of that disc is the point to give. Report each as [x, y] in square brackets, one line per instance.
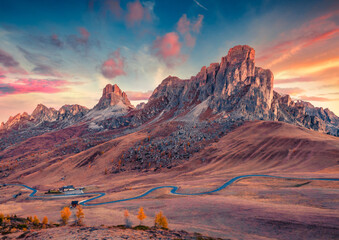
[160, 221]
[36, 221]
[45, 220]
[65, 214]
[128, 222]
[80, 215]
[141, 215]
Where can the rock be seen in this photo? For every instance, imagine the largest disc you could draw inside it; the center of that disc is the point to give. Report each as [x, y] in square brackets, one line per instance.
[112, 96]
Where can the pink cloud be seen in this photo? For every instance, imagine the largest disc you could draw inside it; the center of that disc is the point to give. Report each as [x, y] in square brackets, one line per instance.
[189, 40]
[187, 27]
[84, 33]
[319, 29]
[183, 25]
[317, 99]
[113, 66]
[135, 12]
[138, 96]
[28, 85]
[197, 24]
[293, 80]
[320, 37]
[289, 91]
[168, 49]
[115, 8]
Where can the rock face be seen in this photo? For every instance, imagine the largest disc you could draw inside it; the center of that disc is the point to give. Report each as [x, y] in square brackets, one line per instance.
[235, 86]
[112, 96]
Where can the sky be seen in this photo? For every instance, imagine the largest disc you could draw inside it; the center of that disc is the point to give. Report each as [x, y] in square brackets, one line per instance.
[64, 52]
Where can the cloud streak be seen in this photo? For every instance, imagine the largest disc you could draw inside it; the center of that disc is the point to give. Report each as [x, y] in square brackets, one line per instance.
[138, 96]
[29, 85]
[200, 5]
[289, 91]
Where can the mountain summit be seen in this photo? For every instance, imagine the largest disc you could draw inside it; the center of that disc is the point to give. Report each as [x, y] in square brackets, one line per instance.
[112, 96]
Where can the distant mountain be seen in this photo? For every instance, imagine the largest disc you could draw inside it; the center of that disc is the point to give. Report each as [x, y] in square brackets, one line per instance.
[113, 103]
[67, 115]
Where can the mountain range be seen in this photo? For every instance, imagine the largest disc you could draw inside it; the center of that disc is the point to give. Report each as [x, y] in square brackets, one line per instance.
[179, 120]
[233, 89]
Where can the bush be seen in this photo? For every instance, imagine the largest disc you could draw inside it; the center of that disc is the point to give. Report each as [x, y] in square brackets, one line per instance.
[141, 227]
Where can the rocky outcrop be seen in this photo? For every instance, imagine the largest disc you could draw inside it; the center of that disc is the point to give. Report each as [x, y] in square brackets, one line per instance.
[112, 96]
[72, 112]
[42, 113]
[234, 87]
[17, 122]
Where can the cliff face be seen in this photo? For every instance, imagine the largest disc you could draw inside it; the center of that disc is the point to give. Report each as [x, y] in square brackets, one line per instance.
[234, 86]
[112, 96]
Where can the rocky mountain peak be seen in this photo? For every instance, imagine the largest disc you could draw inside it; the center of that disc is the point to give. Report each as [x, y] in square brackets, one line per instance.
[112, 95]
[43, 113]
[240, 54]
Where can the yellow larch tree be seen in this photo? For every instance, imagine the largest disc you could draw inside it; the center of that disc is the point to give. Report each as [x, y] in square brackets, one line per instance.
[160, 221]
[80, 215]
[65, 214]
[141, 215]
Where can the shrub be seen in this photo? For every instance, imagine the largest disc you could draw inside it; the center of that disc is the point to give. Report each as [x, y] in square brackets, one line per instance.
[160, 221]
[141, 215]
[65, 214]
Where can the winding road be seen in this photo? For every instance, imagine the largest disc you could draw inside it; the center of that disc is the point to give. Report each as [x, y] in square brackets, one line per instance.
[174, 190]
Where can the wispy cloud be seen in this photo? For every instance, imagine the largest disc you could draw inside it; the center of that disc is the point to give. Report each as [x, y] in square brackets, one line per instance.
[200, 5]
[187, 27]
[40, 63]
[138, 96]
[289, 43]
[289, 91]
[29, 85]
[11, 66]
[317, 99]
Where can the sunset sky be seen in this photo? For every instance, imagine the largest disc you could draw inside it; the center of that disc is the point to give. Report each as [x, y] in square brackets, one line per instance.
[64, 52]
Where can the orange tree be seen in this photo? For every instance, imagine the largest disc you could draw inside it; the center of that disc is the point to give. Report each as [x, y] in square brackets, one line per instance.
[65, 214]
[160, 221]
[141, 215]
